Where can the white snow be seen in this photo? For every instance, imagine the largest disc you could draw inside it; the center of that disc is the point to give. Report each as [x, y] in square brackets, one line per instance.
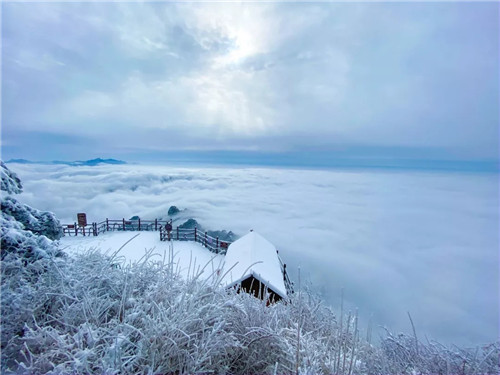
[253, 255]
[189, 257]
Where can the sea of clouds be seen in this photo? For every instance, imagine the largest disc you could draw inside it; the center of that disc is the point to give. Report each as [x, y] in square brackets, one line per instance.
[396, 241]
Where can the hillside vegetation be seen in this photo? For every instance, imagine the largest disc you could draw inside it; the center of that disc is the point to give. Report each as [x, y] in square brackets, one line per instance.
[87, 314]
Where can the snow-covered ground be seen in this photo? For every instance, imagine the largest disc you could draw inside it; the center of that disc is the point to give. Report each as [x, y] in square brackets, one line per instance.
[251, 255]
[189, 258]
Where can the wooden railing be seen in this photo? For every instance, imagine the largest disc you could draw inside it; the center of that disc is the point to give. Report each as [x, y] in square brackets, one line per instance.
[214, 244]
[286, 279]
[96, 228]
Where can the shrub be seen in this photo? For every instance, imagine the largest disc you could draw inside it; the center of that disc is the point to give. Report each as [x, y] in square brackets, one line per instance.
[88, 314]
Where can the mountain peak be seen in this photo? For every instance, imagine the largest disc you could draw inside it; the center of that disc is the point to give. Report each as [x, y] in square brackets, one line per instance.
[91, 162]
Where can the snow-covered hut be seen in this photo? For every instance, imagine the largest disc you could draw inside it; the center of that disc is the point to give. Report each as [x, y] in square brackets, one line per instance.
[252, 265]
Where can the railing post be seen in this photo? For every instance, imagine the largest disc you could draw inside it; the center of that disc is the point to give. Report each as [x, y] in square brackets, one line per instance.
[76, 230]
[83, 231]
[177, 233]
[139, 224]
[195, 233]
[123, 220]
[107, 225]
[205, 238]
[156, 225]
[217, 244]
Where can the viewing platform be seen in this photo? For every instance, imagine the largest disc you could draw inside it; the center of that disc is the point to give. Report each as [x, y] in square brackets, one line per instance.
[260, 258]
[214, 244]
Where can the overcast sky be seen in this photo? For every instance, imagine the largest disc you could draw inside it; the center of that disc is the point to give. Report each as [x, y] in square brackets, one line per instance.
[141, 80]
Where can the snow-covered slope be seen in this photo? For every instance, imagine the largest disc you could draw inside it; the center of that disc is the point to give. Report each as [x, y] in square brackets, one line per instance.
[190, 258]
[251, 255]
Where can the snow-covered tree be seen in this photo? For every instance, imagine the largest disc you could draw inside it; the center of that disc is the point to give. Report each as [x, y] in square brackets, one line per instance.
[24, 230]
[10, 182]
[38, 222]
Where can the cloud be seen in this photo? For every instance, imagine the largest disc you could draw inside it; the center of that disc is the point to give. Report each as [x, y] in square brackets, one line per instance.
[280, 75]
[218, 105]
[426, 243]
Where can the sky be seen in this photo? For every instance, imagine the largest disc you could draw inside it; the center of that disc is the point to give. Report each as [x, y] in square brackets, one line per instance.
[153, 81]
[396, 241]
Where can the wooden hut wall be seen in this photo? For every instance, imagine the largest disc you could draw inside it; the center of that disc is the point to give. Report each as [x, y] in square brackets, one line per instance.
[253, 286]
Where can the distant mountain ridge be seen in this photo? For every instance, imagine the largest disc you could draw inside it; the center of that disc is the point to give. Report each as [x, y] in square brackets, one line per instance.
[91, 162]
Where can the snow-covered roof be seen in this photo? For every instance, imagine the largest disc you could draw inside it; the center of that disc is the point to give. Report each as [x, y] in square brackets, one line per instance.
[253, 255]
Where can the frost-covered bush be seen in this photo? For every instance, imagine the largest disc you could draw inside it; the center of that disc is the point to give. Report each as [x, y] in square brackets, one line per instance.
[39, 222]
[11, 184]
[25, 230]
[406, 354]
[15, 239]
[24, 254]
[87, 314]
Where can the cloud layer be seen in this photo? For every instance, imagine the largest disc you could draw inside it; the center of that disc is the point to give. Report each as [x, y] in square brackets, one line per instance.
[115, 79]
[426, 243]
